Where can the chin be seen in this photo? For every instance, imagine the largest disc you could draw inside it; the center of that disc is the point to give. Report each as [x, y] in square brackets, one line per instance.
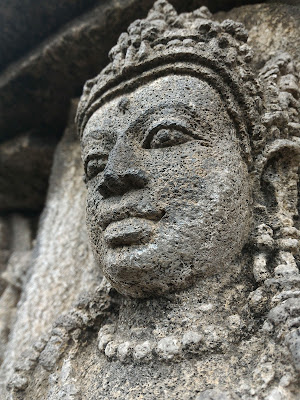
[143, 271]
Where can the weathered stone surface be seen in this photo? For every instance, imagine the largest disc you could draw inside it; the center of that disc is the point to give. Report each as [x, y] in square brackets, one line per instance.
[16, 241]
[191, 161]
[61, 258]
[280, 24]
[150, 213]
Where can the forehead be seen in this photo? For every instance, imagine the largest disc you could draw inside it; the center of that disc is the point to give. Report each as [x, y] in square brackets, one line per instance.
[164, 95]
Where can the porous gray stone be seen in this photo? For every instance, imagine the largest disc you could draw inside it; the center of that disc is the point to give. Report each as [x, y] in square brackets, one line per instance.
[57, 245]
[191, 165]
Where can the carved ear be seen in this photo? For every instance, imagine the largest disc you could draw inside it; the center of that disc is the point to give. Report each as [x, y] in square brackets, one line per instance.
[281, 117]
[279, 176]
[277, 208]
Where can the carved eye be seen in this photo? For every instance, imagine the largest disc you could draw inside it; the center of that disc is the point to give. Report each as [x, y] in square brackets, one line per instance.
[93, 167]
[167, 137]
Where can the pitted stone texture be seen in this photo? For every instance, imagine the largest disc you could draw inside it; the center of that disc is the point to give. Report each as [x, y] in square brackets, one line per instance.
[280, 23]
[190, 186]
[149, 155]
[195, 230]
[16, 234]
[61, 261]
[213, 395]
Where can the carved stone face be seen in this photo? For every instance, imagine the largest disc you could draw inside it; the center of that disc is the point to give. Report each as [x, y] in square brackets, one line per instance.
[168, 191]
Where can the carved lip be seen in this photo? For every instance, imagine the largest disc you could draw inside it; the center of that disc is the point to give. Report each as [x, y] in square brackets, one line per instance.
[129, 231]
[125, 213]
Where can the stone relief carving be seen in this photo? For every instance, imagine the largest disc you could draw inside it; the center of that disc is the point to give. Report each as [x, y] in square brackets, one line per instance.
[191, 163]
[182, 69]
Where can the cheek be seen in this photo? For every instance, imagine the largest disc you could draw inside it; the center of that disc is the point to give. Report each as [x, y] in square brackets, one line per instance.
[210, 192]
[92, 220]
[176, 172]
[92, 202]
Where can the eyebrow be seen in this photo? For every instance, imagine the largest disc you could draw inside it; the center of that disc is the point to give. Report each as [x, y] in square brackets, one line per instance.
[141, 119]
[187, 111]
[145, 116]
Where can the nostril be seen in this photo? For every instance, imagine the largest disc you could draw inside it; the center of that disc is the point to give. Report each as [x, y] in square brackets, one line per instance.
[117, 184]
[136, 178]
[108, 184]
[104, 190]
[110, 179]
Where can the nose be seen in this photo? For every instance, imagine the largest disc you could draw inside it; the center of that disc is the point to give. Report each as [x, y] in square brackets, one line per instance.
[122, 172]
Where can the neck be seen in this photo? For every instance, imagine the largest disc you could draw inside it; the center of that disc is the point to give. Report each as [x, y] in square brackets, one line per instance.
[208, 312]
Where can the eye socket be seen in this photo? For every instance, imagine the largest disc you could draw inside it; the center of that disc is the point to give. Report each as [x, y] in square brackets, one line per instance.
[94, 166]
[167, 134]
[167, 137]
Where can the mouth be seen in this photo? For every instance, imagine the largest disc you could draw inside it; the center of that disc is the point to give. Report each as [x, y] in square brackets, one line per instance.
[129, 227]
[129, 231]
[116, 215]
